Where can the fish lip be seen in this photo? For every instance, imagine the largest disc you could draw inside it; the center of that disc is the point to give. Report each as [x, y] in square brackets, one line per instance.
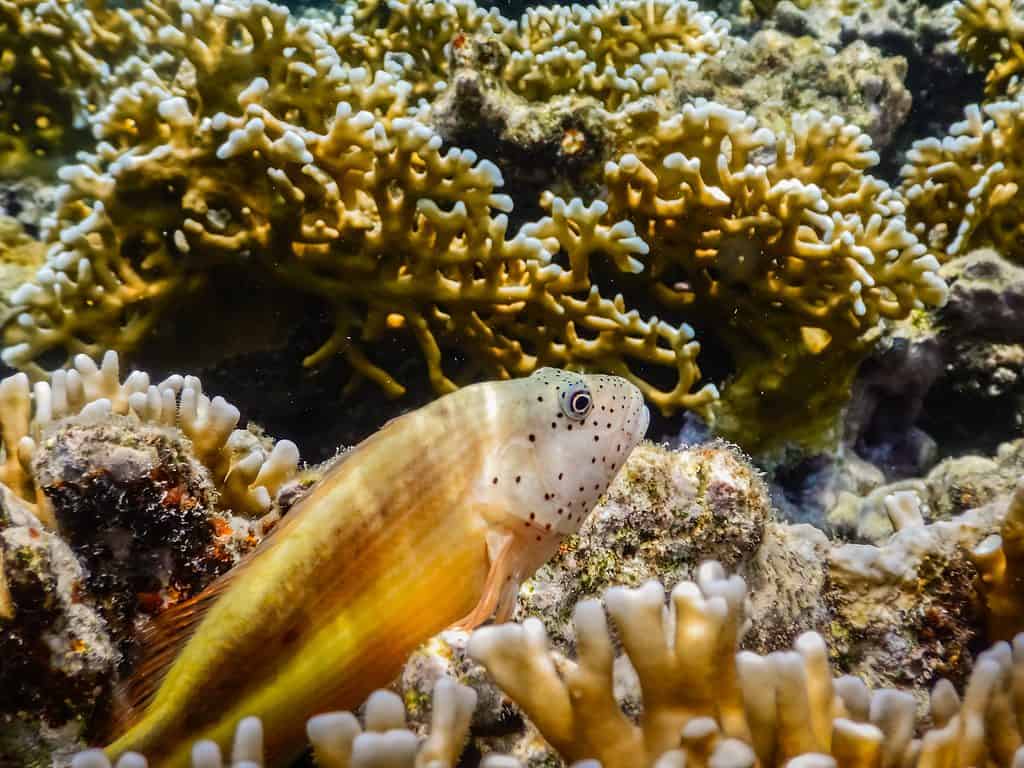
[646, 416]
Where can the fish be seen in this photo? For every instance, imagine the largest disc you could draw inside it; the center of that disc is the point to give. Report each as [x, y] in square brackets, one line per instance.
[430, 523]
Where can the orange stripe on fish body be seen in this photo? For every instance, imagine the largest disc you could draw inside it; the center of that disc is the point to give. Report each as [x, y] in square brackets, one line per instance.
[432, 521]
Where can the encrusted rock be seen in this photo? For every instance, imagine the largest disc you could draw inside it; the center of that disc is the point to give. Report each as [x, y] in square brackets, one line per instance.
[558, 144]
[908, 612]
[948, 382]
[954, 486]
[139, 510]
[775, 75]
[58, 659]
[986, 296]
[786, 579]
[667, 512]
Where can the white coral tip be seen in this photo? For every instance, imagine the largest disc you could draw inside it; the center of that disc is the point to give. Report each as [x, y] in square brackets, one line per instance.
[91, 758]
[248, 743]
[206, 754]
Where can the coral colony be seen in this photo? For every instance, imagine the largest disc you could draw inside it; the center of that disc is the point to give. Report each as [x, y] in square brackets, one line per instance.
[637, 188]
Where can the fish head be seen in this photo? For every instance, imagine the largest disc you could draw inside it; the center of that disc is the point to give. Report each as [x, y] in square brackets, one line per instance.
[564, 437]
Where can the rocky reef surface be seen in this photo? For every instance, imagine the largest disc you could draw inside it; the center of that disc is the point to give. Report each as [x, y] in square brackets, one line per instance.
[901, 614]
[126, 507]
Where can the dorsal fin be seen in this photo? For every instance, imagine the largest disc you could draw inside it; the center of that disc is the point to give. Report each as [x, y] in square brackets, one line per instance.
[160, 643]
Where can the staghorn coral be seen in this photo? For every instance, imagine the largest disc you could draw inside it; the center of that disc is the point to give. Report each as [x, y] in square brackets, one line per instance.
[706, 704]
[990, 35]
[962, 190]
[338, 741]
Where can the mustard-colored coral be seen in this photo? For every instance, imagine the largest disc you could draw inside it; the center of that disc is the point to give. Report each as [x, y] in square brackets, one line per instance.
[1000, 559]
[990, 35]
[704, 704]
[369, 214]
[615, 50]
[57, 64]
[962, 191]
[417, 240]
[793, 259]
[303, 152]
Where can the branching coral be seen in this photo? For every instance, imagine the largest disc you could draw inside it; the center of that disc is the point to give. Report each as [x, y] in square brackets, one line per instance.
[615, 51]
[64, 61]
[370, 215]
[338, 741]
[246, 471]
[1000, 558]
[962, 190]
[704, 704]
[793, 259]
[58, 61]
[990, 35]
[256, 144]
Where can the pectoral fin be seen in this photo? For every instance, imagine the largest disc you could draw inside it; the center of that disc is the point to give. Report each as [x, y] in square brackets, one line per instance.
[507, 600]
[501, 581]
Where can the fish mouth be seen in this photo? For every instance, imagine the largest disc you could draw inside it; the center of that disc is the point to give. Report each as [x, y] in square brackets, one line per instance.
[645, 420]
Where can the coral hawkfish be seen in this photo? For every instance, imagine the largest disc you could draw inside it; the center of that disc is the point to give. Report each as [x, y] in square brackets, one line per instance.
[431, 522]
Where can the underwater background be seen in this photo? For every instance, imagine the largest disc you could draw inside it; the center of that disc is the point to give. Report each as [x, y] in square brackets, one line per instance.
[238, 238]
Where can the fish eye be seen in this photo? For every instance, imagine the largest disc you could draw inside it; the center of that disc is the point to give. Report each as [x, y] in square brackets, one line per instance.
[576, 402]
